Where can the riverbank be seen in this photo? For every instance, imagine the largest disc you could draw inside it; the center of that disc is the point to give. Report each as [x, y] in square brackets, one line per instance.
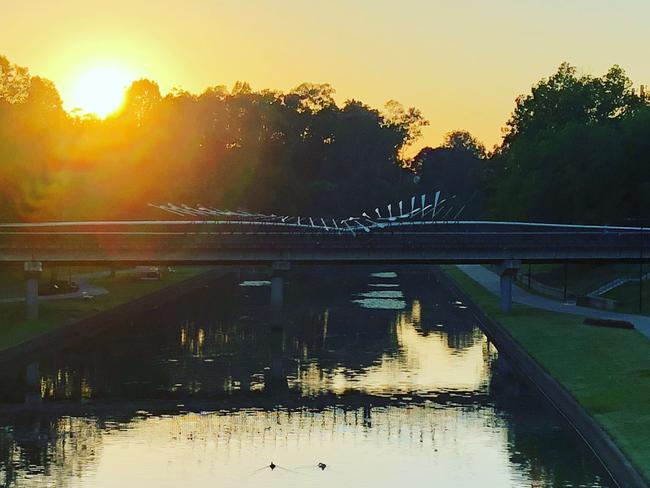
[56, 315]
[606, 370]
[490, 281]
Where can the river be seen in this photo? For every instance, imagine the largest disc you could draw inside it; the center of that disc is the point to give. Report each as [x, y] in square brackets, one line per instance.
[378, 374]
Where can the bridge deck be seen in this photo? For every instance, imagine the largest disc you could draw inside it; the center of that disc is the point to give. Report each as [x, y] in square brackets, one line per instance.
[259, 242]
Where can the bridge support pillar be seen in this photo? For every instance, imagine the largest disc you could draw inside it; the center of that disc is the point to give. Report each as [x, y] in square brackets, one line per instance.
[32, 385]
[33, 270]
[507, 270]
[275, 378]
[278, 272]
[277, 293]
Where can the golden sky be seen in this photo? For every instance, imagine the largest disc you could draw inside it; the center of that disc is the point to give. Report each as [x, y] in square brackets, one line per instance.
[462, 62]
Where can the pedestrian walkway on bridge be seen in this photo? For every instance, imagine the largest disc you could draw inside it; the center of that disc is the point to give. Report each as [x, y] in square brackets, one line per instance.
[491, 282]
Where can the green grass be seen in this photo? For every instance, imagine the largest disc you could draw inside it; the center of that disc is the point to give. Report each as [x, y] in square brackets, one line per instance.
[12, 276]
[15, 329]
[606, 370]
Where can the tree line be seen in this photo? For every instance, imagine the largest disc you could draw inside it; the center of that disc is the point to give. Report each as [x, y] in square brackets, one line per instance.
[575, 149]
[267, 151]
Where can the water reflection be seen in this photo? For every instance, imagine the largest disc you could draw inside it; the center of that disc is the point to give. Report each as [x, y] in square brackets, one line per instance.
[255, 283]
[207, 391]
[422, 364]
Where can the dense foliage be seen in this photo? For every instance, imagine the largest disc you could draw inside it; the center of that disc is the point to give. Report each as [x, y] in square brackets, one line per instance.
[576, 149]
[456, 168]
[295, 152]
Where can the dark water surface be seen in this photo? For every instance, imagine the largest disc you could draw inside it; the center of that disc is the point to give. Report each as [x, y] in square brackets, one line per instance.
[380, 374]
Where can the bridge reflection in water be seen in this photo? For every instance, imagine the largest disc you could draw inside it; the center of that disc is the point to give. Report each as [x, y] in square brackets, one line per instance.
[381, 391]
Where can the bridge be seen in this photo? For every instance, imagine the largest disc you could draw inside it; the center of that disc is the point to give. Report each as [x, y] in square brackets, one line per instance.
[425, 234]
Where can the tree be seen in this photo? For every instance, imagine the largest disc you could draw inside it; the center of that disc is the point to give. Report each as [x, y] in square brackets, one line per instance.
[462, 140]
[568, 97]
[140, 99]
[408, 122]
[572, 152]
[42, 96]
[14, 82]
[314, 97]
[268, 151]
[454, 169]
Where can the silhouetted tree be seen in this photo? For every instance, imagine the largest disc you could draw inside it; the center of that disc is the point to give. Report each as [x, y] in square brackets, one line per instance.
[571, 152]
[140, 99]
[455, 169]
[14, 82]
[462, 140]
[295, 152]
[567, 97]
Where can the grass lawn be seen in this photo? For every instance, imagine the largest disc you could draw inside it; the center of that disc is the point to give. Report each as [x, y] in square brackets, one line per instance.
[12, 277]
[606, 370]
[15, 329]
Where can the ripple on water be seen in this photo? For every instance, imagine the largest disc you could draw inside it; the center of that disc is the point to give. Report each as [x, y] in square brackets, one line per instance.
[383, 285]
[255, 283]
[387, 274]
[381, 303]
[382, 294]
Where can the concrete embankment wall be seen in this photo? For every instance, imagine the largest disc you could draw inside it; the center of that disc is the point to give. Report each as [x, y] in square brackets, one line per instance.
[92, 325]
[619, 467]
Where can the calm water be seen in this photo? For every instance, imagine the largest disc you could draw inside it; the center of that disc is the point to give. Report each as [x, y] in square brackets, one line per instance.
[378, 373]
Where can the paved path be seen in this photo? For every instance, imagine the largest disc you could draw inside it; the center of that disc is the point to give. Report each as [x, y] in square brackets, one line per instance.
[85, 289]
[490, 281]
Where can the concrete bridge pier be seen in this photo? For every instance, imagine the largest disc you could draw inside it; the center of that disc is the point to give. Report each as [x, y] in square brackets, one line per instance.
[275, 377]
[33, 270]
[278, 272]
[507, 270]
[277, 295]
[32, 385]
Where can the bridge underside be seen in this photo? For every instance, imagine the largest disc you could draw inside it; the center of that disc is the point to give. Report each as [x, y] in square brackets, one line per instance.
[220, 261]
[232, 243]
[342, 257]
[312, 250]
[245, 243]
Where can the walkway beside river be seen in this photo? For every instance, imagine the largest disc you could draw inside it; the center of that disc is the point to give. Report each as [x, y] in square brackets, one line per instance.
[490, 281]
[86, 289]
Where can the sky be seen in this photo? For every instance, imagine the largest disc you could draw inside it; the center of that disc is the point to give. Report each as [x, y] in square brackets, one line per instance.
[461, 62]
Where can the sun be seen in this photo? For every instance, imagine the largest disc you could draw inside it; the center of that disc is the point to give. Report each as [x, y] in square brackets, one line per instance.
[100, 91]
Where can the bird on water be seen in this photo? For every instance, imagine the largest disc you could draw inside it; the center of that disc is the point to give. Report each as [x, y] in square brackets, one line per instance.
[272, 466]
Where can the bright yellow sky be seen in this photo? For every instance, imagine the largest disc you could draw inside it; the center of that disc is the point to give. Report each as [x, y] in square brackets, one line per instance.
[462, 62]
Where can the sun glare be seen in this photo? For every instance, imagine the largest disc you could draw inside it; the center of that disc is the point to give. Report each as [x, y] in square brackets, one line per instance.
[100, 91]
